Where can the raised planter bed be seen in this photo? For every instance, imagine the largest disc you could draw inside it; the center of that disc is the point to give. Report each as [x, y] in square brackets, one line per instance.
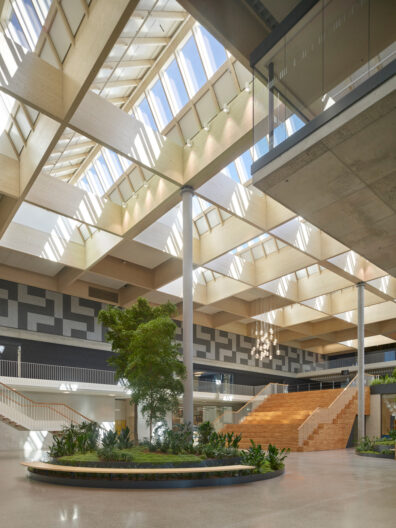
[383, 388]
[377, 455]
[146, 478]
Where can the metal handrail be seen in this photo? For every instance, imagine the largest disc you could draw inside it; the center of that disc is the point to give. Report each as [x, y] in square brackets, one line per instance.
[265, 391]
[64, 373]
[26, 412]
[327, 414]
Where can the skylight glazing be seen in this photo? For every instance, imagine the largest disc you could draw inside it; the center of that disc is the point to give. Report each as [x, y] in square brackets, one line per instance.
[107, 169]
[188, 69]
[26, 20]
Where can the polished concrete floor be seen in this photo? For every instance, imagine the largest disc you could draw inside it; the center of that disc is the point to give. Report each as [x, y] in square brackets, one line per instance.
[334, 489]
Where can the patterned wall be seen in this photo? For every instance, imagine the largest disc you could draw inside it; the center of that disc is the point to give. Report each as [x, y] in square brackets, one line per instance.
[210, 343]
[38, 310]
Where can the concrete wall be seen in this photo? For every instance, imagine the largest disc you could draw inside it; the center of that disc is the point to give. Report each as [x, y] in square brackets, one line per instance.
[97, 408]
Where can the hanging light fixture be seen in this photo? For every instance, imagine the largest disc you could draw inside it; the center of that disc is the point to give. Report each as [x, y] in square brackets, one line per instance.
[266, 341]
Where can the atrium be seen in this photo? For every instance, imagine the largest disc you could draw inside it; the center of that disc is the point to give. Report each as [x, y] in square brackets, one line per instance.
[235, 158]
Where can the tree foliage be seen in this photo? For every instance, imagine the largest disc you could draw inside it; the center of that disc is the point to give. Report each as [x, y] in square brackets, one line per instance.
[146, 356]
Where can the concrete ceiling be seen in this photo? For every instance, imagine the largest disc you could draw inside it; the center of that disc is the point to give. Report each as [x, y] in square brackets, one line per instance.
[342, 178]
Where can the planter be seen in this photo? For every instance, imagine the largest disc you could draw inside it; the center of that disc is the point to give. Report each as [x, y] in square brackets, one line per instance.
[384, 388]
[73, 479]
[210, 462]
[376, 455]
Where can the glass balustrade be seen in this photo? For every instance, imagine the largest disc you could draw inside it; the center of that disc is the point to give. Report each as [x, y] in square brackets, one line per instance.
[331, 51]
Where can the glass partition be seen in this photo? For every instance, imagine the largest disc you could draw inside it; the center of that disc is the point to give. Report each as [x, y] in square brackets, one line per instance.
[332, 50]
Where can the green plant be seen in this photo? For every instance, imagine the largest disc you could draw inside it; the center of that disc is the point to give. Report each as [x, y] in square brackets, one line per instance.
[123, 441]
[233, 440]
[392, 434]
[107, 454]
[276, 456]
[147, 356]
[254, 456]
[204, 432]
[366, 444]
[385, 379]
[57, 449]
[109, 440]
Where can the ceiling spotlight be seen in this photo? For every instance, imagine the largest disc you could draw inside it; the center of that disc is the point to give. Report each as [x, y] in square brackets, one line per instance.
[189, 143]
[134, 195]
[207, 127]
[124, 205]
[145, 184]
[226, 108]
[248, 88]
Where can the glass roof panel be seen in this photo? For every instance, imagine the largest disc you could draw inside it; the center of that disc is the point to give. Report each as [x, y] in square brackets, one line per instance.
[213, 53]
[160, 104]
[175, 87]
[192, 67]
[144, 114]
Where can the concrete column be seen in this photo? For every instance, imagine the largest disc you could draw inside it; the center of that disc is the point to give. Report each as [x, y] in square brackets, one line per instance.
[270, 106]
[188, 404]
[361, 418]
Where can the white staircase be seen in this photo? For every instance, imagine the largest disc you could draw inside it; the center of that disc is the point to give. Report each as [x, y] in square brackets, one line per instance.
[25, 414]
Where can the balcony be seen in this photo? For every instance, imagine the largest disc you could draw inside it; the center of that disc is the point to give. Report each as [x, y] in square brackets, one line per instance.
[325, 129]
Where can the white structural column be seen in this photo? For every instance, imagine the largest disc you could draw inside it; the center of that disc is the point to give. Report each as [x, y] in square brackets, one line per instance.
[188, 404]
[361, 418]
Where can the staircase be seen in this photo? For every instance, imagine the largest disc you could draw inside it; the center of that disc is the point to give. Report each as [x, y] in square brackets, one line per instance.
[302, 421]
[335, 435]
[24, 414]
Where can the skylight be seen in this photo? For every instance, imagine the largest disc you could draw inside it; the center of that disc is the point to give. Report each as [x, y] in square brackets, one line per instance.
[26, 21]
[179, 79]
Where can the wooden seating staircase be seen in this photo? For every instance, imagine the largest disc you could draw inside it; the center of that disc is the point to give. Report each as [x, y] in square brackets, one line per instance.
[279, 419]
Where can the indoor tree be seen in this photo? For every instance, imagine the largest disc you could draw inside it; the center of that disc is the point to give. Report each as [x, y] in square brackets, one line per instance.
[147, 357]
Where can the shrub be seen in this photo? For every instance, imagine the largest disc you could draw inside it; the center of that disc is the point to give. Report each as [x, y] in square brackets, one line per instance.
[109, 440]
[386, 379]
[392, 434]
[110, 454]
[204, 432]
[123, 441]
[365, 444]
[276, 456]
[57, 449]
[177, 440]
[75, 438]
[254, 456]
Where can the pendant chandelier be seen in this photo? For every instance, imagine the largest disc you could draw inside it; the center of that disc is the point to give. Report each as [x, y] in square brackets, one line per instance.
[267, 343]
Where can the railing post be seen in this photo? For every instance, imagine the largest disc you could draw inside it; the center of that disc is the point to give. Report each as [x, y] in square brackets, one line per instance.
[19, 357]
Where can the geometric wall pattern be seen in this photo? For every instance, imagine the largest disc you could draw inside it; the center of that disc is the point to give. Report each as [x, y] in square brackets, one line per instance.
[30, 308]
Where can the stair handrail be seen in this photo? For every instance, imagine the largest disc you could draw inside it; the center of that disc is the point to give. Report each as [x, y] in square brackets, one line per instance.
[265, 391]
[325, 415]
[52, 410]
